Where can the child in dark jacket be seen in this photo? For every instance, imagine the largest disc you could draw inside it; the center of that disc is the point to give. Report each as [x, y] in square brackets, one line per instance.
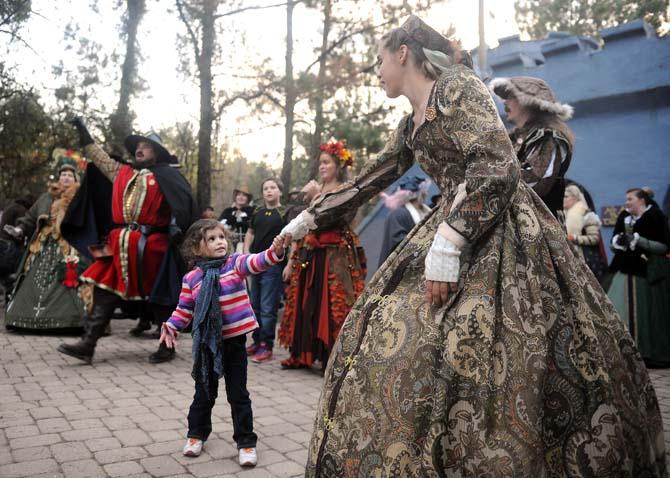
[214, 297]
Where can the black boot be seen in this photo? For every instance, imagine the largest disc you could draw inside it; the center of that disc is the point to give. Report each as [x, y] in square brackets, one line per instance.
[141, 327]
[82, 350]
[163, 354]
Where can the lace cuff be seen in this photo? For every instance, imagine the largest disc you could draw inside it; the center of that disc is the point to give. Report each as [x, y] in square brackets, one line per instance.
[300, 226]
[443, 262]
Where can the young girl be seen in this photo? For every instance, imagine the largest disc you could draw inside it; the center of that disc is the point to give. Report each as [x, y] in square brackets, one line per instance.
[214, 296]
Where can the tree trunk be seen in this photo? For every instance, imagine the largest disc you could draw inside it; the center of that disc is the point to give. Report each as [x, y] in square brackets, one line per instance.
[206, 110]
[121, 121]
[289, 106]
[320, 92]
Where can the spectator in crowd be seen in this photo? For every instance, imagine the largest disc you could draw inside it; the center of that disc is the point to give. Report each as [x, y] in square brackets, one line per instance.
[583, 228]
[10, 249]
[640, 287]
[408, 208]
[208, 213]
[236, 217]
[266, 288]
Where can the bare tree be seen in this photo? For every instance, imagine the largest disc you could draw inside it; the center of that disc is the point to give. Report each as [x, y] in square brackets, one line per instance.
[121, 121]
[199, 17]
[289, 106]
[320, 88]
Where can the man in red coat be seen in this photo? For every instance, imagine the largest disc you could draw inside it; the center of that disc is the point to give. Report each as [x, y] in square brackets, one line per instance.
[149, 201]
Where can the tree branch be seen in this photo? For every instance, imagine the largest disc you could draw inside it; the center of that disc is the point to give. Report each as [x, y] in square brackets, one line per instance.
[194, 38]
[245, 95]
[256, 7]
[16, 36]
[344, 38]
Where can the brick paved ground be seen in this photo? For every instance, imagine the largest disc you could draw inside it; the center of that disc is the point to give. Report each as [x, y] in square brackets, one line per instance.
[123, 417]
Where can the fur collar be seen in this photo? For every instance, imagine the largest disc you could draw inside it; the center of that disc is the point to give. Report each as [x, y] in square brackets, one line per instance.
[60, 205]
[574, 218]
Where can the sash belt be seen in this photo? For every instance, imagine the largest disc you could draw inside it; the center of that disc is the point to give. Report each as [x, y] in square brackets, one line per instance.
[144, 230]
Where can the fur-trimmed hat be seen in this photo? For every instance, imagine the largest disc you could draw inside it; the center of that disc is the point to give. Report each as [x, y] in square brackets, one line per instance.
[532, 93]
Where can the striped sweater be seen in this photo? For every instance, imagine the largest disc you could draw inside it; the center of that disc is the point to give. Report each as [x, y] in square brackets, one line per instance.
[238, 316]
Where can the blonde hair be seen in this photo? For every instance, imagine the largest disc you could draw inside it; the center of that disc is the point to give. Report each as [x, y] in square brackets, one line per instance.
[393, 40]
[576, 193]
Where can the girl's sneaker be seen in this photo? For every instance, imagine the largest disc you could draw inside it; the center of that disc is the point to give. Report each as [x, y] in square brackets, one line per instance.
[193, 447]
[248, 457]
[263, 354]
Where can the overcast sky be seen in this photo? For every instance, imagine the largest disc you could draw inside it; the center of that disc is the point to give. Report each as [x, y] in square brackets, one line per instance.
[169, 96]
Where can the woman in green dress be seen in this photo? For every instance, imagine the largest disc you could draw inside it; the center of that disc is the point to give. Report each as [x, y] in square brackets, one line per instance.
[640, 287]
[47, 293]
[481, 347]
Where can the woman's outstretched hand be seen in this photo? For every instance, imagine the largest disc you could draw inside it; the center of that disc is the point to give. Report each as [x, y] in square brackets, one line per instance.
[437, 293]
[168, 336]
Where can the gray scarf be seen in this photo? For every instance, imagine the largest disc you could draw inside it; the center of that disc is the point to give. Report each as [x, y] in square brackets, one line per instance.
[207, 326]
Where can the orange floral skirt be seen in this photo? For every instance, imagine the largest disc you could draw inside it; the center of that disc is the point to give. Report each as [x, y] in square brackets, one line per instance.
[328, 275]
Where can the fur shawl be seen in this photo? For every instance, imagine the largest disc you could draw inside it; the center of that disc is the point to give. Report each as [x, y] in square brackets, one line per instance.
[60, 205]
[578, 217]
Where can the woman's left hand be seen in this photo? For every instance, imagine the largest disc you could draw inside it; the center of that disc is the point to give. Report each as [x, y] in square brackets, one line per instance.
[437, 293]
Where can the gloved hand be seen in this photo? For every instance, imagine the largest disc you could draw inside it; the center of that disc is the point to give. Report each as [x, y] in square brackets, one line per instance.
[300, 226]
[84, 136]
[622, 241]
[442, 261]
[15, 232]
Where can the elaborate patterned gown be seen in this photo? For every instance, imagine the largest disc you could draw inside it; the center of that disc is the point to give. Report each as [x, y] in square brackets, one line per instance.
[42, 298]
[527, 371]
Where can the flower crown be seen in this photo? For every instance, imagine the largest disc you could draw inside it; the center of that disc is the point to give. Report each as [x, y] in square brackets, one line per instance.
[338, 149]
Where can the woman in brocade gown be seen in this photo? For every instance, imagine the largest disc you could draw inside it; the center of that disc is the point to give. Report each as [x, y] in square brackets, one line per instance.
[326, 273]
[481, 347]
[47, 293]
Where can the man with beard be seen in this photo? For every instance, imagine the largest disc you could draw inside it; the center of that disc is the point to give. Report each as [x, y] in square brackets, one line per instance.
[151, 205]
[543, 142]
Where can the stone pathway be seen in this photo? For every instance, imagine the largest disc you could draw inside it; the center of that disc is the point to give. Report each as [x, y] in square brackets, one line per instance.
[123, 417]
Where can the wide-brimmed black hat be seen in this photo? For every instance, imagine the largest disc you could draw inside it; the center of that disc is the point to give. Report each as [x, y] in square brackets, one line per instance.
[152, 138]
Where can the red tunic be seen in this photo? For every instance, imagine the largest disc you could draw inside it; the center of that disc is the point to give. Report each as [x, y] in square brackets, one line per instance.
[136, 197]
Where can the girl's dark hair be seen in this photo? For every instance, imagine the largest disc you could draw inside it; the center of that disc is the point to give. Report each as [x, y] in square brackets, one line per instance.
[190, 248]
[393, 40]
[341, 173]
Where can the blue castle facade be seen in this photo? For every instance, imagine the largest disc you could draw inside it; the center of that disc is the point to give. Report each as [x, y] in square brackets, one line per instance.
[621, 94]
